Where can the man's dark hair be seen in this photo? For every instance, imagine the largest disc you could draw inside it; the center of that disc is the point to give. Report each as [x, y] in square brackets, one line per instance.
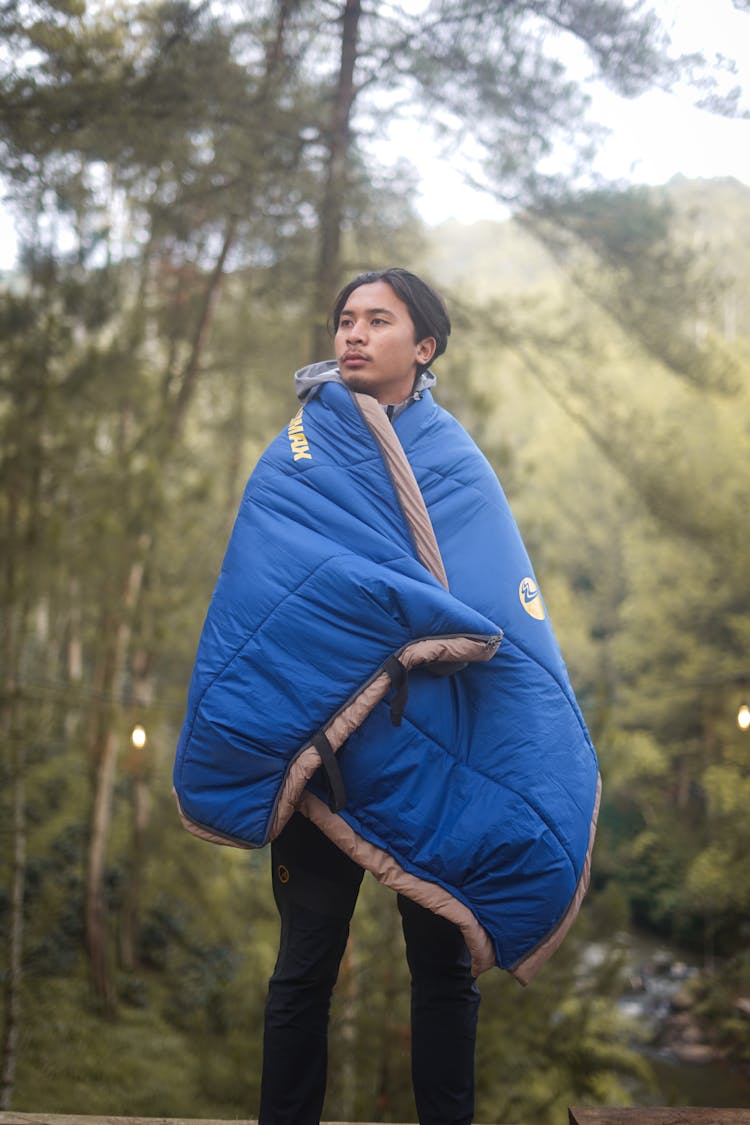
[426, 308]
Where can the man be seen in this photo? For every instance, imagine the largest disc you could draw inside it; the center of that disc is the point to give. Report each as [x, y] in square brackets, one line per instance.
[353, 703]
[383, 347]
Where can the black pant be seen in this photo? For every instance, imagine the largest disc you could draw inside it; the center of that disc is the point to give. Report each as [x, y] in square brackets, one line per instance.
[316, 887]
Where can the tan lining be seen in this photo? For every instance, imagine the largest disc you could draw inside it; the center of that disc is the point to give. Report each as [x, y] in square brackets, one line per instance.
[206, 833]
[354, 713]
[525, 970]
[389, 872]
[405, 485]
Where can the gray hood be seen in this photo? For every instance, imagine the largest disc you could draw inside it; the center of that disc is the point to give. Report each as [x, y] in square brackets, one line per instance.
[308, 379]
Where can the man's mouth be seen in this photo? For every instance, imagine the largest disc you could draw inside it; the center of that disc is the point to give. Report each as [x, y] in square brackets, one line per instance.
[353, 359]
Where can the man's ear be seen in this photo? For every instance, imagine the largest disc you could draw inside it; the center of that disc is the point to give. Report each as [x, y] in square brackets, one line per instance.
[426, 350]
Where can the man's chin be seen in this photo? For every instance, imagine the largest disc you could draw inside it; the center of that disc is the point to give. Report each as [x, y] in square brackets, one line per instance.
[358, 382]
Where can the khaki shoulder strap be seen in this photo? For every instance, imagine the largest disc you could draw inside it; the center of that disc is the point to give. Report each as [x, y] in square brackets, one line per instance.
[405, 484]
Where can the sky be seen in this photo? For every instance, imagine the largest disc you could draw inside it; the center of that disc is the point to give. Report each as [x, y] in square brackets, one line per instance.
[652, 138]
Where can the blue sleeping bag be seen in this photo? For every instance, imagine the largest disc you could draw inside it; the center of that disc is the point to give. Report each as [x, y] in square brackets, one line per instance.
[377, 655]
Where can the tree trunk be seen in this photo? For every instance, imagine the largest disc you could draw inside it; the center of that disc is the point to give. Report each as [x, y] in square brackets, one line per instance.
[96, 906]
[131, 910]
[391, 1043]
[348, 989]
[104, 742]
[139, 771]
[334, 194]
[275, 53]
[20, 530]
[200, 336]
[13, 977]
[105, 748]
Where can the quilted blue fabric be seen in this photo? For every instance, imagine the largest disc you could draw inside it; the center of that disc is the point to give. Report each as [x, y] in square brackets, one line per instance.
[488, 786]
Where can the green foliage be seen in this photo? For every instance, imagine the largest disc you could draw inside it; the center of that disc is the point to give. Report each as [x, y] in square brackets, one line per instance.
[560, 1042]
[628, 484]
[102, 1070]
[722, 1002]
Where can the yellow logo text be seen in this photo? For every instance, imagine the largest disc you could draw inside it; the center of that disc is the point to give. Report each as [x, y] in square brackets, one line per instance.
[297, 439]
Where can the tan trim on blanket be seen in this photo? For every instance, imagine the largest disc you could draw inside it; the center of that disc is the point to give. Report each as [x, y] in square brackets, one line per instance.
[430, 895]
[354, 713]
[351, 716]
[389, 872]
[405, 484]
[206, 833]
[527, 969]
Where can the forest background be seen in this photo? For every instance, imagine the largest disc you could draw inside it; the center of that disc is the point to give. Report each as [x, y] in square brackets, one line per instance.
[191, 183]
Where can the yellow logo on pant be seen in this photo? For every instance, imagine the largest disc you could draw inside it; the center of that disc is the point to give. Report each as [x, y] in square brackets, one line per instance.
[531, 599]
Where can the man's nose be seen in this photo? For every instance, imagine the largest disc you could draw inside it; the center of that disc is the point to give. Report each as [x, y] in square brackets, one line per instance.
[356, 331]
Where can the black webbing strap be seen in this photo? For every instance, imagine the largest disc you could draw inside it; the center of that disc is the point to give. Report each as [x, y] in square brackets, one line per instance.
[336, 790]
[400, 684]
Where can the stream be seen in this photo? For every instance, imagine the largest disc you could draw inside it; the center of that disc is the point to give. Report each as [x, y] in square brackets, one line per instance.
[686, 1070]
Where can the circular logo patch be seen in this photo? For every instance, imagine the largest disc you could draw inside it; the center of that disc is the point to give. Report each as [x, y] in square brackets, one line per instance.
[531, 599]
[283, 873]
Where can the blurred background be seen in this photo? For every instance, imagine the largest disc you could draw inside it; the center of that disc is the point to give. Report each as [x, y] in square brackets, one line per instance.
[185, 187]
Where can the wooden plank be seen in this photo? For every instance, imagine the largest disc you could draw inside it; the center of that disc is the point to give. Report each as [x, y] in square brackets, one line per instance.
[657, 1115]
[588, 1115]
[9, 1117]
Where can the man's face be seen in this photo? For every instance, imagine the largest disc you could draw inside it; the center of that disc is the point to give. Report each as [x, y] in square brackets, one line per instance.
[376, 350]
